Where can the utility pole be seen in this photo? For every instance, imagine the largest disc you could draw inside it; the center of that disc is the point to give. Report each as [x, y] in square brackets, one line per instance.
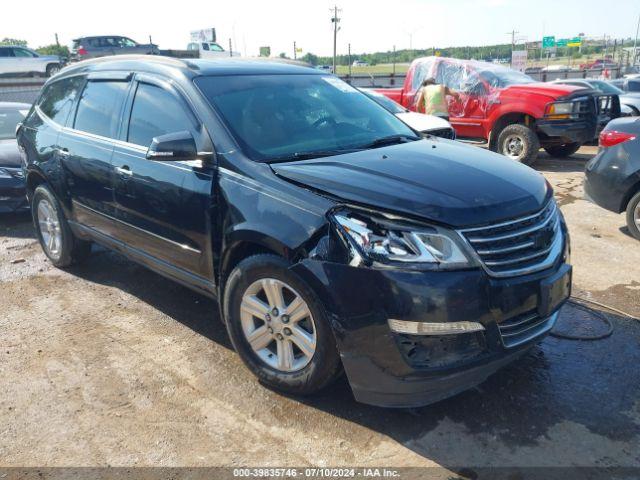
[335, 20]
[57, 42]
[349, 59]
[230, 49]
[295, 51]
[394, 60]
[513, 44]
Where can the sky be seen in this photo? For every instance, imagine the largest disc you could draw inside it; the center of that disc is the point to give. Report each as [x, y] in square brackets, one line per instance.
[368, 25]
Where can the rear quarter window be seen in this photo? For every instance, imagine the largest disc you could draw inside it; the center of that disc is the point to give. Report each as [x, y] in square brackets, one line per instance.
[99, 108]
[57, 99]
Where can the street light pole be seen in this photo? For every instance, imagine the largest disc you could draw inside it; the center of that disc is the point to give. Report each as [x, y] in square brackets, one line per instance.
[635, 42]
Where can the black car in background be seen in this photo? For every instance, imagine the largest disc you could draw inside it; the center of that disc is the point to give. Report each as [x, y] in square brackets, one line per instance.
[613, 175]
[13, 195]
[84, 48]
[331, 234]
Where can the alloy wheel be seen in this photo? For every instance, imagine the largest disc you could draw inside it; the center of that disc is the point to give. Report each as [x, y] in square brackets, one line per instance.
[278, 325]
[50, 229]
[513, 147]
[636, 216]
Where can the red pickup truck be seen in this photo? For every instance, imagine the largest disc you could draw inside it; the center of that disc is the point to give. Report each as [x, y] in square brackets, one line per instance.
[515, 114]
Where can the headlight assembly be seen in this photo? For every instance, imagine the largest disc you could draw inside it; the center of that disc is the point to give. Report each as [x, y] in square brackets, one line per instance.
[378, 240]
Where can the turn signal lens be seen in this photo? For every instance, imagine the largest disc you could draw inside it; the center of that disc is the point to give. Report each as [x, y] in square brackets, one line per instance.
[82, 51]
[609, 138]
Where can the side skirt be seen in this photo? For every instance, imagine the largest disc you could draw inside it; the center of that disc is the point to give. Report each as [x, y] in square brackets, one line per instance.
[189, 280]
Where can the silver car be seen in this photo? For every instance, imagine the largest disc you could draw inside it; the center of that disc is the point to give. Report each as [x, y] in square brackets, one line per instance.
[22, 61]
[629, 101]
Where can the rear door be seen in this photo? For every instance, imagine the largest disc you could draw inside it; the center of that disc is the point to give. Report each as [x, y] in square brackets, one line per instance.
[86, 146]
[163, 206]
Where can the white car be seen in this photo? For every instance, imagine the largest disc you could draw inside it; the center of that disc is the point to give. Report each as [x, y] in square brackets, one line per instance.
[22, 61]
[425, 124]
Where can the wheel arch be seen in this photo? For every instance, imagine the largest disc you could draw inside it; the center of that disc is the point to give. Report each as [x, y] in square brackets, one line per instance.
[509, 118]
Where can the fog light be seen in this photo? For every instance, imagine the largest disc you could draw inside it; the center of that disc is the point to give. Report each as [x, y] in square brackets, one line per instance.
[428, 328]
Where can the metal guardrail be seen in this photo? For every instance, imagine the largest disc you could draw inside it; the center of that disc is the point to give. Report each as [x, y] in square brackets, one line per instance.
[24, 90]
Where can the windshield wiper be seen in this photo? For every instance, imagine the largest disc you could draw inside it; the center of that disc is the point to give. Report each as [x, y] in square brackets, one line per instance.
[390, 140]
[310, 155]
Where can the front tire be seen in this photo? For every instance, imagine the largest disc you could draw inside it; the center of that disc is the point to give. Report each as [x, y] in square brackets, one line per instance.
[519, 143]
[633, 216]
[54, 234]
[278, 326]
[562, 151]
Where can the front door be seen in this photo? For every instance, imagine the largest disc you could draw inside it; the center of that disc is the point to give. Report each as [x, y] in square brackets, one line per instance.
[163, 206]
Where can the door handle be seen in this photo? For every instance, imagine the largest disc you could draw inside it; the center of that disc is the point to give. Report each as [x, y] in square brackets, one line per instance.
[126, 171]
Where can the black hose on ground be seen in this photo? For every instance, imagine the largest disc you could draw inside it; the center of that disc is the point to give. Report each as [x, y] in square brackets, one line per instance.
[599, 315]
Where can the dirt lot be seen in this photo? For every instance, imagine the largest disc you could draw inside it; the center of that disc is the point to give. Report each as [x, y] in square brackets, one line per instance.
[110, 364]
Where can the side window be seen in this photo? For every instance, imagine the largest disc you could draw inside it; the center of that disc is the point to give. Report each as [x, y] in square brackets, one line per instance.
[57, 100]
[451, 74]
[23, 53]
[423, 70]
[156, 112]
[99, 108]
[6, 52]
[205, 46]
[216, 48]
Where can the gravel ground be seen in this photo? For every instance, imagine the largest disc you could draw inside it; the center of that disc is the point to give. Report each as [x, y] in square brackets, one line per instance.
[108, 364]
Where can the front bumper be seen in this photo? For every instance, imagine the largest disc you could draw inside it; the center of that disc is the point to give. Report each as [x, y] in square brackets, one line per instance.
[559, 132]
[13, 195]
[400, 370]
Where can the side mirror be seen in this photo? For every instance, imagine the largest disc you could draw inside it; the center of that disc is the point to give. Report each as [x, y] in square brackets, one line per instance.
[173, 146]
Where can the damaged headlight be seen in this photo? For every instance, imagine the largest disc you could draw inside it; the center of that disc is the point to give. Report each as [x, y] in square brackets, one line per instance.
[388, 242]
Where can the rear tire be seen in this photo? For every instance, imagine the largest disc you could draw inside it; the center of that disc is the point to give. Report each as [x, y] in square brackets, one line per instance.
[296, 354]
[633, 216]
[563, 151]
[519, 143]
[57, 240]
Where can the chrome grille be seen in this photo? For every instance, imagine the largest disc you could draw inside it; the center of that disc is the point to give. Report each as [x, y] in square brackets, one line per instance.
[518, 246]
[523, 328]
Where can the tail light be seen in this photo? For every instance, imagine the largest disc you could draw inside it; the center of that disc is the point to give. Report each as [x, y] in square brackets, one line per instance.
[609, 138]
[81, 50]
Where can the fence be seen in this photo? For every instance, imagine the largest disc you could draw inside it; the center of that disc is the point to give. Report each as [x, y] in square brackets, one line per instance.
[27, 89]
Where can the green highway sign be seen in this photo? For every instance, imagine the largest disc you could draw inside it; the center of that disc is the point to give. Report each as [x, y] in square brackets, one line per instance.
[574, 42]
[562, 42]
[548, 42]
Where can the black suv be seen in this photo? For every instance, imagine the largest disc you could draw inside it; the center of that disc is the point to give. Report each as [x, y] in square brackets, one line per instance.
[333, 235]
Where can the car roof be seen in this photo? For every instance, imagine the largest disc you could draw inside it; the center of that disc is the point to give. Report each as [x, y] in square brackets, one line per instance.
[187, 67]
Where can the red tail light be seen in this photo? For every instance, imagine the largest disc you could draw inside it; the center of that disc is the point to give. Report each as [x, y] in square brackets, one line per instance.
[82, 51]
[609, 138]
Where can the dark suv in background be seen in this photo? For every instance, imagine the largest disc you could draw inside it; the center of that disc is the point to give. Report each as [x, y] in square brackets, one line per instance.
[84, 48]
[332, 234]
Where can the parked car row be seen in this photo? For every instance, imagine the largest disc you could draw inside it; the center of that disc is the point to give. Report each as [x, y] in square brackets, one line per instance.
[333, 235]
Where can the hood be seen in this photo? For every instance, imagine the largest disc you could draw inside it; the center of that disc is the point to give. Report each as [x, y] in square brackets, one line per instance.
[551, 90]
[422, 122]
[9, 153]
[446, 182]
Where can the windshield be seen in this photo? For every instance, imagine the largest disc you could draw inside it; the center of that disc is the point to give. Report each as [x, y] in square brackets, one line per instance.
[605, 87]
[276, 117]
[387, 103]
[9, 119]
